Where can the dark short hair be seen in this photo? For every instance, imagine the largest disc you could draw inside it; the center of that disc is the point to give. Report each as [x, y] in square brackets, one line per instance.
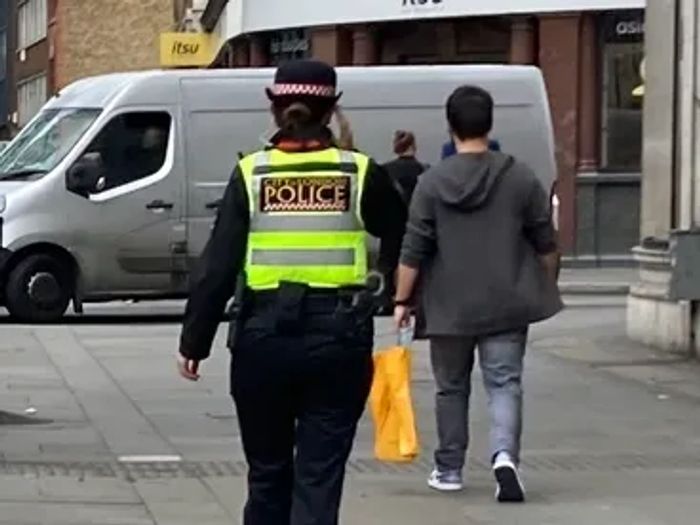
[470, 112]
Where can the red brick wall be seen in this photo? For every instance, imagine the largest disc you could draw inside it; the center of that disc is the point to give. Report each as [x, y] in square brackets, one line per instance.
[559, 58]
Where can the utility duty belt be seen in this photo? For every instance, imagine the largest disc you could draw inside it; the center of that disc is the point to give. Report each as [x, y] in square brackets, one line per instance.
[294, 308]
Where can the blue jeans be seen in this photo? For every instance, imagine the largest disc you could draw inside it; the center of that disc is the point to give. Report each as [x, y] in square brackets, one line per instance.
[501, 360]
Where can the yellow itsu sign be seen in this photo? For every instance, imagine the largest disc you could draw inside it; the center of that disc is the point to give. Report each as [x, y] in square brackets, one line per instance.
[187, 49]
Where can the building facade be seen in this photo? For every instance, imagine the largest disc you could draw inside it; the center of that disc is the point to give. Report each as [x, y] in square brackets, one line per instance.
[102, 36]
[34, 22]
[59, 41]
[590, 52]
[6, 68]
[664, 305]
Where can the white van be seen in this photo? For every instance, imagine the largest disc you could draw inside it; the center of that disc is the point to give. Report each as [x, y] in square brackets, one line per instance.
[111, 190]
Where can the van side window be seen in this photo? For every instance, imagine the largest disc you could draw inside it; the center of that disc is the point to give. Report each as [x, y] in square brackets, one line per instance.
[130, 147]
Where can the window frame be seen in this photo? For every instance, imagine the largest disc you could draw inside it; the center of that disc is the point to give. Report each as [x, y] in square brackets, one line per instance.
[606, 42]
[32, 29]
[148, 180]
[24, 84]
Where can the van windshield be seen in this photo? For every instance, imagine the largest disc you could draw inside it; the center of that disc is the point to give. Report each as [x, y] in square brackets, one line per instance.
[44, 143]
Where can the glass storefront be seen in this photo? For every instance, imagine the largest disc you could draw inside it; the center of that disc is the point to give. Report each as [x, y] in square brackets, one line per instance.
[293, 44]
[623, 53]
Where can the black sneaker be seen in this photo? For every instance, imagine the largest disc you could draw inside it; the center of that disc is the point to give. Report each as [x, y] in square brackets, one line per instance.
[509, 488]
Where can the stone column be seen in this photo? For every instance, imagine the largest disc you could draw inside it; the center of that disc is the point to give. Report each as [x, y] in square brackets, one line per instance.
[653, 317]
[589, 101]
[365, 47]
[559, 56]
[523, 41]
[659, 119]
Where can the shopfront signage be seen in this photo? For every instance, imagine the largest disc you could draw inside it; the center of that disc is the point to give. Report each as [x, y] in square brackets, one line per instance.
[625, 26]
[187, 49]
[422, 6]
[269, 15]
[629, 28]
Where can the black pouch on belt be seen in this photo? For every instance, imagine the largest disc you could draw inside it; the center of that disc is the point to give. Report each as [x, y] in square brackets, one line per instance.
[236, 312]
[354, 309]
[289, 310]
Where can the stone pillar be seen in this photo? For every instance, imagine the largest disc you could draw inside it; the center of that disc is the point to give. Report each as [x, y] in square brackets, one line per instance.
[258, 52]
[589, 101]
[659, 119]
[365, 47]
[523, 41]
[653, 317]
[332, 45]
[559, 56]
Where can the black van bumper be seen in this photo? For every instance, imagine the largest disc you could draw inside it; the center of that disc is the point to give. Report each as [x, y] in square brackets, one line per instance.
[5, 256]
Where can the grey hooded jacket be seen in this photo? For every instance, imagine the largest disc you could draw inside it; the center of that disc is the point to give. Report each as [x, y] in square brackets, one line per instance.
[478, 224]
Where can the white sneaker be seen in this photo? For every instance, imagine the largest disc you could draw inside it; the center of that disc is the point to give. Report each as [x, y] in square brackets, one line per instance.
[448, 481]
[509, 488]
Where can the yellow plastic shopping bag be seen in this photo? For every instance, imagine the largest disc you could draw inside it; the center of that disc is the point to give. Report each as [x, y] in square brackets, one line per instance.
[396, 437]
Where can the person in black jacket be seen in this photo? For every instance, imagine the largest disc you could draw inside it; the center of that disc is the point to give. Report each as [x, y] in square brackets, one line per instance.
[404, 171]
[302, 336]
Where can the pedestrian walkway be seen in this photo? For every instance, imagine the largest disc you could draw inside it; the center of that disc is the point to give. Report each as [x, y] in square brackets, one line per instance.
[598, 281]
[612, 434]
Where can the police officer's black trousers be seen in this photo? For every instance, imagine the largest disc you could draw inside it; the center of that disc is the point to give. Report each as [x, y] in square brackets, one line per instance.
[299, 398]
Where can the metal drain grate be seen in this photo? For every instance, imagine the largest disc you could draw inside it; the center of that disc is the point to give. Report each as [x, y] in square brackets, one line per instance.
[357, 466]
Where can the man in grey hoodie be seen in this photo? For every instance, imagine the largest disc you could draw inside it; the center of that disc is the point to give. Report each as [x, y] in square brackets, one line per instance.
[480, 235]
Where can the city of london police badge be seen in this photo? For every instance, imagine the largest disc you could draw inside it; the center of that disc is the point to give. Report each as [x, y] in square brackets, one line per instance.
[305, 194]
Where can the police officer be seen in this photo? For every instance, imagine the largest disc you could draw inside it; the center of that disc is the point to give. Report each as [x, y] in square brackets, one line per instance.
[291, 232]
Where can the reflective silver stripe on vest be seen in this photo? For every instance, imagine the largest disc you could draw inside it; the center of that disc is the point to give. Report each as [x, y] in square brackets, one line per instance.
[347, 158]
[309, 221]
[262, 159]
[320, 257]
[265, 222]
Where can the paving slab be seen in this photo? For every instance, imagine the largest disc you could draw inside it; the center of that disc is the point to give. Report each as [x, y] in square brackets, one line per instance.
[611, 433]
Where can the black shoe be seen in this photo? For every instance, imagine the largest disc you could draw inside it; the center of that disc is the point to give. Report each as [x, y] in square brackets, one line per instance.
[509, 488]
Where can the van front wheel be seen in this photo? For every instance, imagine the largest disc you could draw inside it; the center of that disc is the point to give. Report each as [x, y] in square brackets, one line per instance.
[39, 289]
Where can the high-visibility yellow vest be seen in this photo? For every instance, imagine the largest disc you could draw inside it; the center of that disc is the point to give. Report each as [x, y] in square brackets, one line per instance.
[305, 221]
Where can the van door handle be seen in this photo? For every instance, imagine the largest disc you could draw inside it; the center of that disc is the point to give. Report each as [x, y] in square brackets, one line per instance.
[159, 205]
[214, 205]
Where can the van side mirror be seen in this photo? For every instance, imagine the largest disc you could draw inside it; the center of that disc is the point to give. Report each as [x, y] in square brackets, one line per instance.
[85, 176]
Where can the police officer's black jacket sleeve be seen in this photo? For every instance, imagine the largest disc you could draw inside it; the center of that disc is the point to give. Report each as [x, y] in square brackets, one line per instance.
[383, 210]
[213, 282]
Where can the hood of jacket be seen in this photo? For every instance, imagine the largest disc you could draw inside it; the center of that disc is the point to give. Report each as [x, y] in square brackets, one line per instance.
[466, 180]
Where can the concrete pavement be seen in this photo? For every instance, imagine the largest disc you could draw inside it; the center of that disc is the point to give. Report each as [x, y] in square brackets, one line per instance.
[597, 281]
[97, 417]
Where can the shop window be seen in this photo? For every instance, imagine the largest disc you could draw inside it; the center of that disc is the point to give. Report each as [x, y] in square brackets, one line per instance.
[31, 96]
[622, 100]
[289, 45]
[132, 146]
[32, 22]
[483, 40]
